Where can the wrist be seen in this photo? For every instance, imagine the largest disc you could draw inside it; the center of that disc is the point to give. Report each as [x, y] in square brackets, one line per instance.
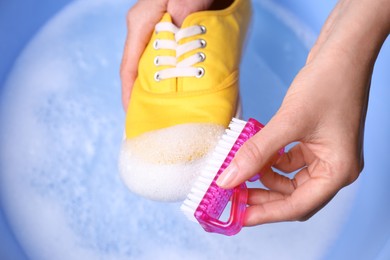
[362, 28]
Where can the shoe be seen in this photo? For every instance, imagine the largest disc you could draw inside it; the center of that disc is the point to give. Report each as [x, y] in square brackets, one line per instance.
[185, 95]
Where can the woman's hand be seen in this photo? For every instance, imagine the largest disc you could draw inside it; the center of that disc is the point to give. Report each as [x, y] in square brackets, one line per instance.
[324, 111]
[141, 20]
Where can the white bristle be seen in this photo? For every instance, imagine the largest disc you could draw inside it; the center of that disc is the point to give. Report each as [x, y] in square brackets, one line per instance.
[225, 145]
[189, 212]
[222, 150]
[212, 167]
[191, 203]
[197, 192]
[237, 121]
[219, 157]
[194, 198]
[236, 127]
[232, 133]
[228, 138]
[200, 185]
[210, 171]
[204, 180]
[210, 175]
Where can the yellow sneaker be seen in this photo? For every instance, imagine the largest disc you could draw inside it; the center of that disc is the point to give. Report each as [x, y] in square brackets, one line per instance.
[184, 97]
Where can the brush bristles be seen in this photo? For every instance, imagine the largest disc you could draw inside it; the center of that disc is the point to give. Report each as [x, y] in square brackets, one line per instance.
[212, 167]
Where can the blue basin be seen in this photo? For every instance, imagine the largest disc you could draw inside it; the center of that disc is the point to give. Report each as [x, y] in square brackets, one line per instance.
[60, 131]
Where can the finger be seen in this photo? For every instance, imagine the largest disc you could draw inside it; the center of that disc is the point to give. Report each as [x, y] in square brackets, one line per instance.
[141, 20]
[255, 153]
[305, 201]
[180, 9]
[128, 74]
[282, 184]
[260, 196]
[296, 158]
[276, 182]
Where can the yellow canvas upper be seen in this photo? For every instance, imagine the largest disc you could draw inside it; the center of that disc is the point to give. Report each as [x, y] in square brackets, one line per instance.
[211, 98]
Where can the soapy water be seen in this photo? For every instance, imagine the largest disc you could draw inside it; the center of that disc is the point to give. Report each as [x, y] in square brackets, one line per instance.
[163, 164]
[61, 128]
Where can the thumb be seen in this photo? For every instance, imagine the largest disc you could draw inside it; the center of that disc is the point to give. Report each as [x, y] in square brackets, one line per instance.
[180, 9]
[256, 153]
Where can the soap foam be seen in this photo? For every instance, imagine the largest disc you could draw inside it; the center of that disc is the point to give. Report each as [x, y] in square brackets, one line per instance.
[162, 165]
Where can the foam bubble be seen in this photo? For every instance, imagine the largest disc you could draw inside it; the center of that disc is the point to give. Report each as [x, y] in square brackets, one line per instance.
[163, 164]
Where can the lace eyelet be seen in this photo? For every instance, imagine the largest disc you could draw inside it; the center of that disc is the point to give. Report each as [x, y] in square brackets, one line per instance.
[156, 60]
[202, 29]
[155, 44]
[203, 43]
[157, 76]
[202, 56]
[200, 72]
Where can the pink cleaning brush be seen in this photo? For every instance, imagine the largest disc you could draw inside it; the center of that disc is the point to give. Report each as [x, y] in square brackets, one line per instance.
[206, 201]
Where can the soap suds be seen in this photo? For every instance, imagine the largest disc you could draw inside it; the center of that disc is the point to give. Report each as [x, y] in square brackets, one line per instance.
[162, 165]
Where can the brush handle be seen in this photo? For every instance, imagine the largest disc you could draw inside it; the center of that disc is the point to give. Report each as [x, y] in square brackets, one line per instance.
[240, 193]
[237, 213]
[216, 198]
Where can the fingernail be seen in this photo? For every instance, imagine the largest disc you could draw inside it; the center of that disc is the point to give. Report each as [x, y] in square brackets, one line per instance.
[228, 175]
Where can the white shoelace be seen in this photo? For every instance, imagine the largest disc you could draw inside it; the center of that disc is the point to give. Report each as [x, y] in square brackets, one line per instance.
[184, 68]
